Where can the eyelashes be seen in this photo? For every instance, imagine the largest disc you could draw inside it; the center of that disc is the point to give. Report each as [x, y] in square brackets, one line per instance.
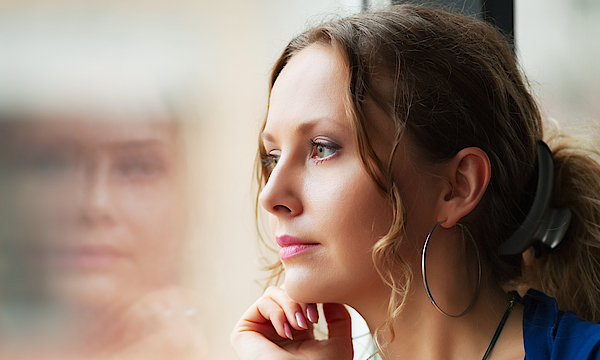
[320, 150]
[323, 150]
[269, 162]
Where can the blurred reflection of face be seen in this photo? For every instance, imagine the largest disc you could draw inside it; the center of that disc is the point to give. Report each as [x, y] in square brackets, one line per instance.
[103, 202]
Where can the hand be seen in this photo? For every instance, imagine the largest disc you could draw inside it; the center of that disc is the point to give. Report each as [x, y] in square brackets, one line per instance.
[161, 325]
[276, 327]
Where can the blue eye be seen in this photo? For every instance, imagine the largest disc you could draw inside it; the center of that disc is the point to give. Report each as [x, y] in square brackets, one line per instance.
[324, 150]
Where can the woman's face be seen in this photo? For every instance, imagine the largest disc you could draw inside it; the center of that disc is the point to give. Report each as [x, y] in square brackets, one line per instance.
[325, 210]
[102, 203]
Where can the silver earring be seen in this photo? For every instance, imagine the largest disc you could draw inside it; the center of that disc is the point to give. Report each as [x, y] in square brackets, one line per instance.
[424, 272]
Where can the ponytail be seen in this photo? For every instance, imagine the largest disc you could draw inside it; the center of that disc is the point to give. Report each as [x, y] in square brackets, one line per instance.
[571, 272]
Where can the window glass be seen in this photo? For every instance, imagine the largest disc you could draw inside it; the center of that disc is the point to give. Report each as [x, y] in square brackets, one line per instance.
[558, 50]
[127, 141]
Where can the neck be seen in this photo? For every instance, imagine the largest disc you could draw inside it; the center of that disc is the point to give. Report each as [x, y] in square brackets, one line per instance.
[423, 332]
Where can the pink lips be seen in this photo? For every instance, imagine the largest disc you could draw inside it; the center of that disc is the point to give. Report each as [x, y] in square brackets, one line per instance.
[291, 246]
[87, 256]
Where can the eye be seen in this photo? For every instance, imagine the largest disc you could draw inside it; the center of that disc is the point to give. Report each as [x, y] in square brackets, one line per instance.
[323, 150]
[269, 161]
[139, 167]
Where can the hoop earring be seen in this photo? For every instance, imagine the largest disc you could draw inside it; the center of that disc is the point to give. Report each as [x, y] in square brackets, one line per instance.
[424, 271]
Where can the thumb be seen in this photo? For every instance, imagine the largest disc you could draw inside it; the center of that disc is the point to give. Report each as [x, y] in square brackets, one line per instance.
[339, 324]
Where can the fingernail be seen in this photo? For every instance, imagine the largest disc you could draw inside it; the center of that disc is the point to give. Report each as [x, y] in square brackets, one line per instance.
[312, 313]
[301, 320]
[288, 331]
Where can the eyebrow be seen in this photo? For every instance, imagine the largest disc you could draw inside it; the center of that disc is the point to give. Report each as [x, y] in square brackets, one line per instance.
[135, 144]
[302, 128]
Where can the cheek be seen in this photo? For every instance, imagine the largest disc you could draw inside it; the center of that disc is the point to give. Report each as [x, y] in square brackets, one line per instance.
[156, 208]
[419, 204]
[353, 212]
[44, 211]
[354, 205]
[154, 218]
[363, 227]
[48, 196]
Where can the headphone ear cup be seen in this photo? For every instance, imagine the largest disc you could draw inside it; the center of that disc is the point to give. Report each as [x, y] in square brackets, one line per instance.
[542, 223]
[554, 226]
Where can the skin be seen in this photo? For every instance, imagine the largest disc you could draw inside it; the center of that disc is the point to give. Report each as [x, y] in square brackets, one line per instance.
[315, 190]
[106, 200]
[323, 195]
[102, 209]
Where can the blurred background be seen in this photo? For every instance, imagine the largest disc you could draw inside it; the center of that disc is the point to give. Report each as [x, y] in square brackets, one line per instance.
[127, 143]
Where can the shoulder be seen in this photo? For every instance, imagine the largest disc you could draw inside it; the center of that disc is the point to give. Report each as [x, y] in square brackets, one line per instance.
[549, 333]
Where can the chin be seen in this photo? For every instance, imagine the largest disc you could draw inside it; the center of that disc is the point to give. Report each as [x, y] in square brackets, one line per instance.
[311, 288]
[327, 286]
[94, 292]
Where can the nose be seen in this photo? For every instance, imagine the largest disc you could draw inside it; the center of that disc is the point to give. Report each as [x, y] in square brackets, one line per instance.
[281, 195]
[97, 203]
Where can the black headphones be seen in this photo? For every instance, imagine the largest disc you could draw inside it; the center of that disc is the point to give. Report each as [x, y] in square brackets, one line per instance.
[543, 223]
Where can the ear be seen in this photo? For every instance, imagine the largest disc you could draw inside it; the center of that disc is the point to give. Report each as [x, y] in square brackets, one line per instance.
[468, 175]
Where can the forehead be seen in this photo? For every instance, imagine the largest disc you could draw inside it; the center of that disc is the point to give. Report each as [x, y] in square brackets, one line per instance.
[313, 85]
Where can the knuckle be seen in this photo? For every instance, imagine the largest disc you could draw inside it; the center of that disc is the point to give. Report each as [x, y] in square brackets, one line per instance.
[272, 289]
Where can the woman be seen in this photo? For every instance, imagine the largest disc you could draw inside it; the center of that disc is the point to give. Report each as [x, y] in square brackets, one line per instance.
[403, 145]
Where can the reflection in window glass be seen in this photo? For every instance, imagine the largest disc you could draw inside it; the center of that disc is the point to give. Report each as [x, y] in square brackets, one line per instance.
[93, 187]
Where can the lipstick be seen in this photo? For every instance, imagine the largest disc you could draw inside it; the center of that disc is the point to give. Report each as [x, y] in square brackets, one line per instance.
[291, 246]
[86, 256]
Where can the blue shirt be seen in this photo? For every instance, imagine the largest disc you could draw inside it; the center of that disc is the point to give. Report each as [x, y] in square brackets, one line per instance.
[551, 334]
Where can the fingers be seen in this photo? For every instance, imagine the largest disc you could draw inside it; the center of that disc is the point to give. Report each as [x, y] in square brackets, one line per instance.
[312, 313]
[339, 323]
[285, 315]
[278, 326]
[271, 311]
